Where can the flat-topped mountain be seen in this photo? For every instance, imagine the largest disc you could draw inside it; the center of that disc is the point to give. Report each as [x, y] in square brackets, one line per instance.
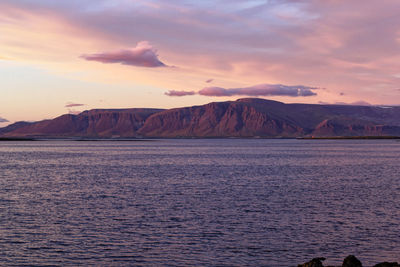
[248, 117]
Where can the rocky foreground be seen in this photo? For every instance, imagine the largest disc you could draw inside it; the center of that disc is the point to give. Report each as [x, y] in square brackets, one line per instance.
[349, 261]
[248, 117]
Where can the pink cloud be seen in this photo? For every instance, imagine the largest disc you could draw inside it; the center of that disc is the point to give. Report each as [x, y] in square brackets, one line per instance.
[260, 90]
[70, 105]
[143, 55]
[312, 41]
[179, 93]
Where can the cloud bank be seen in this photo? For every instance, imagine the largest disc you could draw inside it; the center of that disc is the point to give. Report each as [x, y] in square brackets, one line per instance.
[256, 90]
[143, 55]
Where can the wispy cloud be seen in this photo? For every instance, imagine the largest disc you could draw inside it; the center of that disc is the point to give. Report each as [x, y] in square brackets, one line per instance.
[143, 55]
[179, 93]
[3, 120]
[356, 103]
[70, 105]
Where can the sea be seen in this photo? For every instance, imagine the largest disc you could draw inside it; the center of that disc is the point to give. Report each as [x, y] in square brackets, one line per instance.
[199, 202]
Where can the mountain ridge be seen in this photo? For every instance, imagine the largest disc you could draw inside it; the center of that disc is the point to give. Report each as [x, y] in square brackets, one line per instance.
[245, 117]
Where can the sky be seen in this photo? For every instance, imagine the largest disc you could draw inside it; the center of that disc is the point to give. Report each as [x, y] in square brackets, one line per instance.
[66, 56]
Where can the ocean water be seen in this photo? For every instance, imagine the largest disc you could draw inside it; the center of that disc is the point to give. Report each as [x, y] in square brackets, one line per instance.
[217, 202]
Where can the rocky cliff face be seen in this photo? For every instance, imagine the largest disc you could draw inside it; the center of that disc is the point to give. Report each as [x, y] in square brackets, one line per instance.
[224, 119]
[247, 117]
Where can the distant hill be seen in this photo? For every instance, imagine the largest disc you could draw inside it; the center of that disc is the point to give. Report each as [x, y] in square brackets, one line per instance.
[13, 127]
[248, 117]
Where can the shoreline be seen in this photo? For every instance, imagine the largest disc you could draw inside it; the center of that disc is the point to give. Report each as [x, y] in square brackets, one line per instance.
[80, 139]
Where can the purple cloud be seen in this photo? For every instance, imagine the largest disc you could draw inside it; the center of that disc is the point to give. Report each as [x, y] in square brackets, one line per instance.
[3, 120]
[70, 105]
[179, 93]
[209, 80]
[143, 55]
[260, 90]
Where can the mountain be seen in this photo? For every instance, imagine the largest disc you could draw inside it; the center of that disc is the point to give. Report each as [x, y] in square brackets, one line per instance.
[93, 123]
[248, 117]
[242, 118]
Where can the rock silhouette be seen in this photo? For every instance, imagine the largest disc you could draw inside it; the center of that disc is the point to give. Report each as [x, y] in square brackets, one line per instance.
[349, 261]
[316, 262]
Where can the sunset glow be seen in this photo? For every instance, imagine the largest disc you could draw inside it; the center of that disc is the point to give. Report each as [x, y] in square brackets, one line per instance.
[61, 57]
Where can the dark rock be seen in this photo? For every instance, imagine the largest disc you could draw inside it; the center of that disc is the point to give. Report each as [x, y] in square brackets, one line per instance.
[316, 262]
[387, 264]
[351, 261]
